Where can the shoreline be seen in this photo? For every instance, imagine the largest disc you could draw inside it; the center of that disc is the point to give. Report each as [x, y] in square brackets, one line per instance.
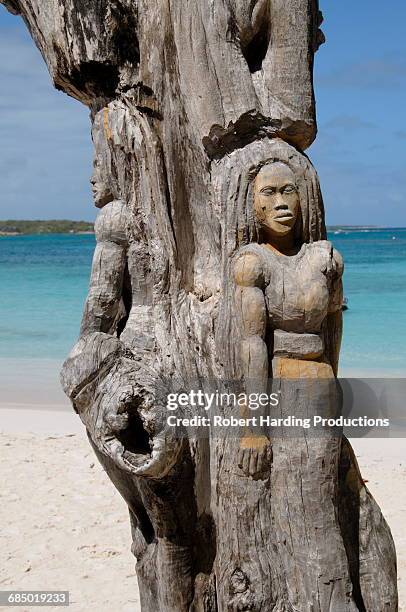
[34, 382]
[16, 234]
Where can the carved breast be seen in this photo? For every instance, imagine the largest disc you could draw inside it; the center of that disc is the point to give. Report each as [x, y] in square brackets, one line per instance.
[298, 287]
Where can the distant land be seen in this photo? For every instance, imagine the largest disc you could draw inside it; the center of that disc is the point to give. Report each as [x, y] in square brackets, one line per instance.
[55, 226]
[18, 228]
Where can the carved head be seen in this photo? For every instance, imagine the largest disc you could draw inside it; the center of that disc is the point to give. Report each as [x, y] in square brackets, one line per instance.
[279, 192]
[102, 180]
[276, 199]
[100, 188]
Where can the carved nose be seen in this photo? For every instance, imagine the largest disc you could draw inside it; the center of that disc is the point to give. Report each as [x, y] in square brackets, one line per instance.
[281, 206]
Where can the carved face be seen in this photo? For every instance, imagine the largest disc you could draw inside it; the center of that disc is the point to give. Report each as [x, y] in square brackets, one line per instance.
[276, 199]
[101, 191]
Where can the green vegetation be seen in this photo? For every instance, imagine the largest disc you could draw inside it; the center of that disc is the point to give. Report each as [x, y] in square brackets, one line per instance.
[45, 227]
[16, 228]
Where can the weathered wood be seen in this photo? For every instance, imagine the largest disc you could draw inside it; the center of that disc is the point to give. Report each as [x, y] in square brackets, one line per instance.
[200, 111]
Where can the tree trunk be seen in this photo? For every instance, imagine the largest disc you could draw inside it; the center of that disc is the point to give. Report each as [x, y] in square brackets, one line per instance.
[187, 100]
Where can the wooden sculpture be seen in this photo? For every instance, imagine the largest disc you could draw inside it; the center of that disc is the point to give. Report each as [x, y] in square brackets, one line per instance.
[211, 264]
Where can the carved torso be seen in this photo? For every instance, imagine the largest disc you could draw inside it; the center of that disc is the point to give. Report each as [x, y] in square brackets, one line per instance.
[300, 290]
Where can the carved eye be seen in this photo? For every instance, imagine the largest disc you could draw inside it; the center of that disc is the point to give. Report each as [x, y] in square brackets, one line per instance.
[267, 191]
[289, 189]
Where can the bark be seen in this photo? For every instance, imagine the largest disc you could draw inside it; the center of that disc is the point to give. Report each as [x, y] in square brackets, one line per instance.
[188, 100]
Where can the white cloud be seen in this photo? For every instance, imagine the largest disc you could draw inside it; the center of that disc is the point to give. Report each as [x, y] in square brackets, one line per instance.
[387, 72]
[347, 122]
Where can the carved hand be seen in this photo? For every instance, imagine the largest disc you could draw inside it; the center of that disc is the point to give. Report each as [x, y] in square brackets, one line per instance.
[255, 456]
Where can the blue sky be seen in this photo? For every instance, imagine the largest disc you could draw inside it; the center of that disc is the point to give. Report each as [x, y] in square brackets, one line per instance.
[360, 152]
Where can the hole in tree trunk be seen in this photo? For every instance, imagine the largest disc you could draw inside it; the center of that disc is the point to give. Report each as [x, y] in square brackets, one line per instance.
[257, 48]
[135, 439]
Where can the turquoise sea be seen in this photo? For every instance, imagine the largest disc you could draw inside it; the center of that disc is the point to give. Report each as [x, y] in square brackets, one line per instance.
[43, 281]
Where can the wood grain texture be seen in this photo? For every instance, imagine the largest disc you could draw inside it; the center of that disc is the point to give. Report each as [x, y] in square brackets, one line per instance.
[189, 101]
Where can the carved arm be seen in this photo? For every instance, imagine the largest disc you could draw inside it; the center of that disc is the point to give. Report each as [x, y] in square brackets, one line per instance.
[334, 322]
[109, 261]
[98, 348]
[255, 450]
[250, 302]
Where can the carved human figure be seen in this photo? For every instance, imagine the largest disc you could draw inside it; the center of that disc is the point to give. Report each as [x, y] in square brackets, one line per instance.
[111, 378]
[288, 285]
[289, 297]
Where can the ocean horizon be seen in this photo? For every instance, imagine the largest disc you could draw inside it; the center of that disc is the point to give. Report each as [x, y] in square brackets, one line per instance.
[44, 280]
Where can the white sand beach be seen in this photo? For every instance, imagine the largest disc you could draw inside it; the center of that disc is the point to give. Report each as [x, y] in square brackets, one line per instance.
[65, 527]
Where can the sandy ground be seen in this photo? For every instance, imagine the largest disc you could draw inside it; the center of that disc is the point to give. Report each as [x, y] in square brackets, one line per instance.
[64, 527]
